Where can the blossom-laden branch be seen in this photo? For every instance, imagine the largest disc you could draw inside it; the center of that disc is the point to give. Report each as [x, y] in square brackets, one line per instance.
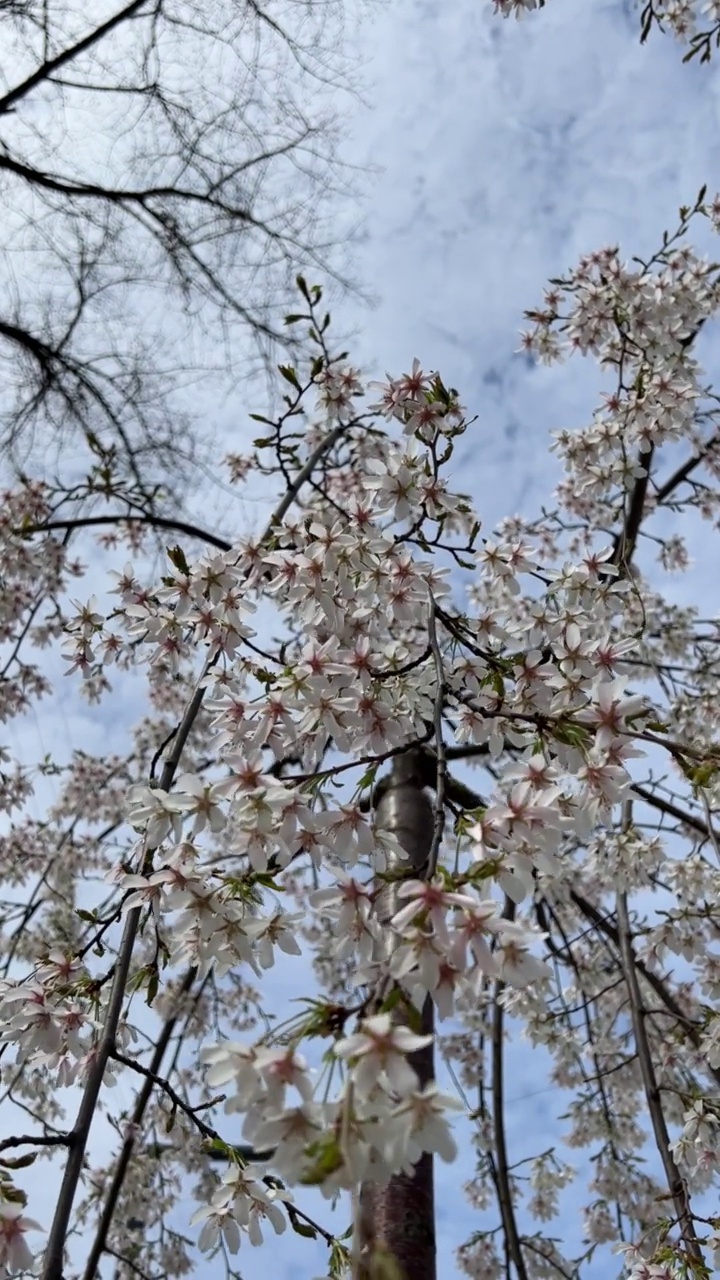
[260, 852]
[695, 23]
[53, 1258]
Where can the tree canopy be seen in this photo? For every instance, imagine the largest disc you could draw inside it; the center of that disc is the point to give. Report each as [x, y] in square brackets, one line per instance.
[554, 869]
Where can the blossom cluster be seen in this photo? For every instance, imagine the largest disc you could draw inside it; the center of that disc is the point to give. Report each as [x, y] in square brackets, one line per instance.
[366, 683]
[687, 20]
[253, 850]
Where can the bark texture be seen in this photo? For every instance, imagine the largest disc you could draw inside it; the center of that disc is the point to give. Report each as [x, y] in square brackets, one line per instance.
[397, 1222]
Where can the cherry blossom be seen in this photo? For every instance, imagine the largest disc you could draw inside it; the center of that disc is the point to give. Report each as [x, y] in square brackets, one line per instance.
[15, 1253]
[550, 691]
[378, 1054]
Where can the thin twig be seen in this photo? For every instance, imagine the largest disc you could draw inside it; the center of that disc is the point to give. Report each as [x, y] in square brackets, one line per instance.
[78, 1138]
[155, 522]
[676, 1183]
[99, 1244]
[605, 926]
[53, 1261]
[179, 1103]
[441, 768]
[672, 810]
[38, 1140]
[44, 72]
[685, 470]
[504, 1191]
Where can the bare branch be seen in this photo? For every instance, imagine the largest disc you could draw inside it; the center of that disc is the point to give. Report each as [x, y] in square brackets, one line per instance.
[675, 1181]
[504, 1190]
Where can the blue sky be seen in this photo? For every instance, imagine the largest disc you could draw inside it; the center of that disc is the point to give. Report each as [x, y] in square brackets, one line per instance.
[505, 150]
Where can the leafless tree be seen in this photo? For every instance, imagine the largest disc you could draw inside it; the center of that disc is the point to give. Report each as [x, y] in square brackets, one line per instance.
[166, 168]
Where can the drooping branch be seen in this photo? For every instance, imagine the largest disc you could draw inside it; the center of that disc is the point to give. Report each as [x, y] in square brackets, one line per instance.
[53, 1259]
[676, 1183]
[502, 1179]
[604, 925]
[193, 185]
[132, 1132]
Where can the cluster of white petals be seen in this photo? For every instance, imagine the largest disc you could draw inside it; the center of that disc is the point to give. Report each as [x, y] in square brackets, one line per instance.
[693, 22]
[540, 654]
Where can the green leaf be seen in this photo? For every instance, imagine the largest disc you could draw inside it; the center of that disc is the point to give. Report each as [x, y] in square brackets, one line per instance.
[19, 1162]
[266, 880]
[391, 1001]
[13, 1194]
[368, 778]
[326, 1158]
[413, 1018]
[575, 735]
[293, 319]
[95, 444]
[497, 683]
[703, 774]
[302, 1228]
[289, 375]
[152, 986]
[339, 1259]
[177, 557]
[217, 1147]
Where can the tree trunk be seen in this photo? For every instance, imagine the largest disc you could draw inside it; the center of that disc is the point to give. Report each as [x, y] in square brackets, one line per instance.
[396, 1223]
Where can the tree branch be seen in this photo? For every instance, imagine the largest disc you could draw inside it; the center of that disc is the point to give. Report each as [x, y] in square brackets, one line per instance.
[155, 522]
[605, 926]
[99, 1243]
[53, 1261]
[685, 470]
[504, 1191]
[61, 59]
[675, 1181]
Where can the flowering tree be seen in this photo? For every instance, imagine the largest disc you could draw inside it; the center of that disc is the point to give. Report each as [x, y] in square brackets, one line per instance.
[557, 713]
[695, 23]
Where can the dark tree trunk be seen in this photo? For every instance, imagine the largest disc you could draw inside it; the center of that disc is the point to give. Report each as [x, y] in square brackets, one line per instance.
[397, 1222]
